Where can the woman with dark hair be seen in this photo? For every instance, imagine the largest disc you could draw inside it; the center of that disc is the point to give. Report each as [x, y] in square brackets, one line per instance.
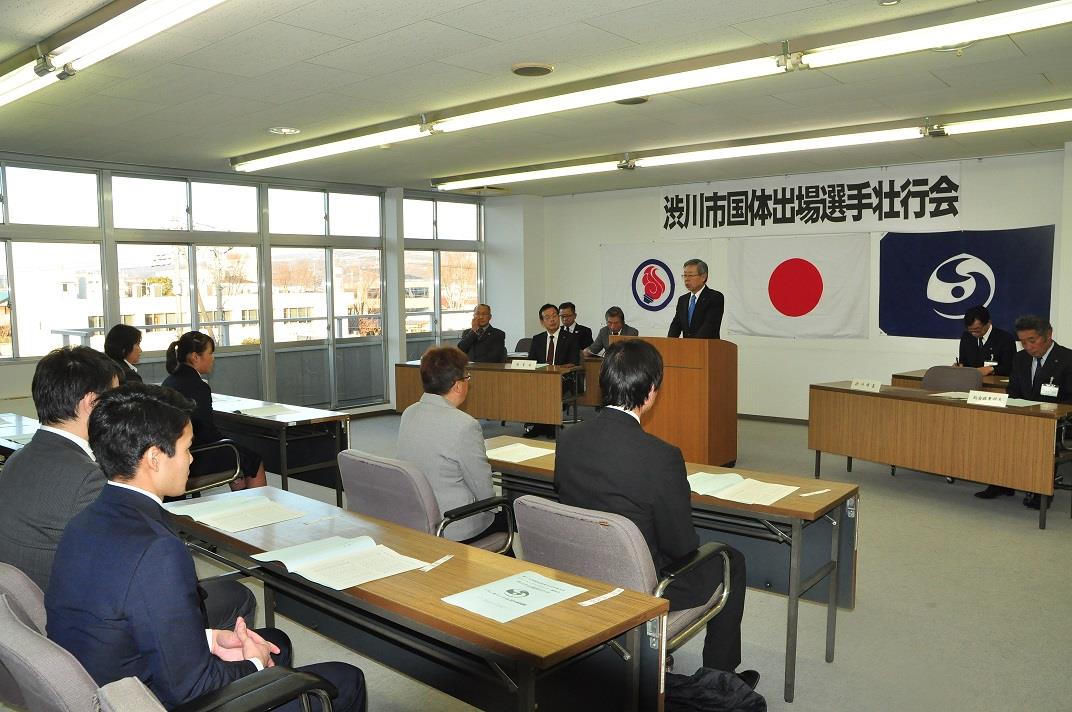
[188, 360]
[123, 345]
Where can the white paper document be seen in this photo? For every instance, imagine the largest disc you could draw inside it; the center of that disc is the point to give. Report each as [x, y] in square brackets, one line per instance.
[236, 514]
[514, 596]
[339, 563]
[265, 410]
[711, 484]
[952, 395]
[517, 452]
[1022, 402]
[755, 492]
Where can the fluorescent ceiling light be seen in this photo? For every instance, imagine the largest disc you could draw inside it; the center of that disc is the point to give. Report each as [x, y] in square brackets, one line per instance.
[707, 76]
[953, 33]
[580, 170]
[24, 80]
[406, 133]
[1008, 122]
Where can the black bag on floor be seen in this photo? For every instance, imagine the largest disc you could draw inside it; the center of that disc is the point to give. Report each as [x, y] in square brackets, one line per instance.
[708, 690]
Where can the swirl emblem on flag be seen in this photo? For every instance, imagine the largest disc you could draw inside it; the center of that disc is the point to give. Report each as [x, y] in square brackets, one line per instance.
[960, 282]
[653, 285]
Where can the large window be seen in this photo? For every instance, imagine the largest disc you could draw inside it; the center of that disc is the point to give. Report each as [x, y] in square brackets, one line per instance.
[459, 288]
[296, 212]
[6, 346]
[149, 204]
[358, 309]
[228, 294]
[38, 196]
[420, 286]
[59, 288]
[154, 286]
[356, 215]
[299, 295]
[437, 219]
[223, 208]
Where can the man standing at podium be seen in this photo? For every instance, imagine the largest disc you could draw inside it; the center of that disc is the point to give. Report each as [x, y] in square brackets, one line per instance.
[699, 313]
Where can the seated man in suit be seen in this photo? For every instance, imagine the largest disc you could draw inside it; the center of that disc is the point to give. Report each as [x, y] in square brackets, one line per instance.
[482, 342]
[124, 599]
[610, 464]
[615, 325]
[699, 313]
[447, 444]
[568, 312]
[1041, 372]
[554, 346]
[983, 346]
[55, 476]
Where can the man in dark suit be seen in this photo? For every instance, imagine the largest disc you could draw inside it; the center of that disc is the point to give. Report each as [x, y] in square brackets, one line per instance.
[983, 346]
[555, 346]
[54, 476]
[124, 599]
[699, 313]
[568, 312]
[482, 342]
[610, 464]
[1041, 372]
[616, 326]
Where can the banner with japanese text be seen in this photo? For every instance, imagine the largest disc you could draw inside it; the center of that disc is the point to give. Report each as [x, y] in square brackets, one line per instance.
[920, 198]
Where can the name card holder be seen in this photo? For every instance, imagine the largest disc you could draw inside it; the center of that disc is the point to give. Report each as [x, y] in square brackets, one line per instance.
[994, 400]
[865, 384]
[525, 364]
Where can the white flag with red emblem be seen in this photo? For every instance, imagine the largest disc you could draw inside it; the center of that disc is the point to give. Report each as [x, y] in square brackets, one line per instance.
[815, 286]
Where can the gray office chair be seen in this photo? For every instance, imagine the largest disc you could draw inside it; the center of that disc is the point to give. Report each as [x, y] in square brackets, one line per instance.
[951, 378]
[610, 548]
[397, 491]
[196, 484]
[27, 602]
[523, 345]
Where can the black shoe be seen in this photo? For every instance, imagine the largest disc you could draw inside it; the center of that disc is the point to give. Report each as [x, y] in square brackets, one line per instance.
[531, 431]
[993, 491]
[1033, 501]
[749, 677]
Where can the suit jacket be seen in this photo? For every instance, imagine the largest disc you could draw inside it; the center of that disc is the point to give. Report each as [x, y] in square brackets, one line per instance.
[125, 601]
[43, 485]
[127, 374]
[447, 445]
[1058, 367]
[602, 340]
[583, 335]
[706, 318]
[566, 350]
[490, 347]
[610, 464]
[187, 381]
[1000, 346]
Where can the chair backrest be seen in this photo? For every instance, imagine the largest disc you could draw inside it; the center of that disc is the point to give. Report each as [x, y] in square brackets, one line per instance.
[128, 695]
[389, 489]
[24, 596]
[524, 344]
[49, 678]
[599, 545]
[951, 378]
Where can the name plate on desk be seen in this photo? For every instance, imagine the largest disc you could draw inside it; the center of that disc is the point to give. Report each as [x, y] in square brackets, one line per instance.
[865, 384]
[526, 364]
[996, 400]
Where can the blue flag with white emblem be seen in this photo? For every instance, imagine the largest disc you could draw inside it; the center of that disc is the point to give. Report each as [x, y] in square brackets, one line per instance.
[928, 280]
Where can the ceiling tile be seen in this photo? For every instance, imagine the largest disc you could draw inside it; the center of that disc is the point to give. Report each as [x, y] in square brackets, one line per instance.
[295, 81]
[361, 20]
[262, 49]
[169, 84]
[844, 93]
[553, 46]
[666, 20]
[235, 16]
[510, 19]
[209, 109]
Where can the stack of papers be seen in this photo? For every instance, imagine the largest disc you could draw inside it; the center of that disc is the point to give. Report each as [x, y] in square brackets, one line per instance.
[1023, 402]
[265, 410]
[952, 395]
[514, 596]
[734, 488]
[339, 563]
[236, 514]
[517, 452]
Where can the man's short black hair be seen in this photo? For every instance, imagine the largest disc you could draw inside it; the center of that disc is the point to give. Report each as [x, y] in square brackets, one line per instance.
[121, 340]
[631, 368]
[132, 418]
[545, 307]
[65, 376]
[977, 313]
[441, 368]
[615, 312]
[567, 305]
[1033, 322]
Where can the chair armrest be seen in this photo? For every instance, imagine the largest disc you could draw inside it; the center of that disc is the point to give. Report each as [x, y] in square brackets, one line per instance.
[685, 564]
[261, 691]
[477, 507]
[204, 482]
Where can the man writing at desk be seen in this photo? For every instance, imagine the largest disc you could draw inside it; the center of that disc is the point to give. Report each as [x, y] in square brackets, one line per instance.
[482, 342]
[699, 313]
[615, 326]
[1041, 372]
[983, 346]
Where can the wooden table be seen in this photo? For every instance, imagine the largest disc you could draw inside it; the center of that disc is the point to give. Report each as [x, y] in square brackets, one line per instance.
[402, 621]
[592, 395]
[15, 431]
[497, 391]
[782, 523]
[914, 379]
[300, 441]
[909, 427]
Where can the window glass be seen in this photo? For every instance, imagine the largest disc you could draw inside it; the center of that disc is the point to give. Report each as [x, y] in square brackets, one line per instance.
[295, 212]
[59, 290]
[420, 289]
[154, 287]
[354, 214]
[459, 288]
[149, 204]
[226, 208]
[456, 221]
[43, 197]
[5, 307]
[228, 294]
[417, 218]
[299, 295]
[357, 293]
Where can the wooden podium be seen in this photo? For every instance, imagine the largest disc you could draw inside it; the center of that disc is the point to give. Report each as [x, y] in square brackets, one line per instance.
[697, 404]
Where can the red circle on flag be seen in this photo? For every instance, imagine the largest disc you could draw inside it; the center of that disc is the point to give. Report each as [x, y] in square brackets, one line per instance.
[795, 287]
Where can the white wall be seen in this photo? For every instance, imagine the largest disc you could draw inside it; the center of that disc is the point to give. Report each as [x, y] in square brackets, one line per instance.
[996, 193]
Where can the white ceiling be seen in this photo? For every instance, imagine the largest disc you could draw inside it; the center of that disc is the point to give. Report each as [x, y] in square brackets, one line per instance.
[207, 90]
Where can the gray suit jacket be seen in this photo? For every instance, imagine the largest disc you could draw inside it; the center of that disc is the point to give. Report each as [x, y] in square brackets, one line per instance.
[602, 339]
[42, 486]
[447, 445]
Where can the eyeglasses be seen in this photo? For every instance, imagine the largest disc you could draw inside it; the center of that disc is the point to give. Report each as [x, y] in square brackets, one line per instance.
[466, 377]
[687, 275]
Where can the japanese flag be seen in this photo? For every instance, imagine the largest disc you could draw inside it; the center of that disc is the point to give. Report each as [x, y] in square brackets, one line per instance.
[799, 287]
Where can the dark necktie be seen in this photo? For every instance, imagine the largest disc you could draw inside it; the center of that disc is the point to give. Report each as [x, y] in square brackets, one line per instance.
[614, 333]
[980, 342]
[550, 348]
[1038, 372]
